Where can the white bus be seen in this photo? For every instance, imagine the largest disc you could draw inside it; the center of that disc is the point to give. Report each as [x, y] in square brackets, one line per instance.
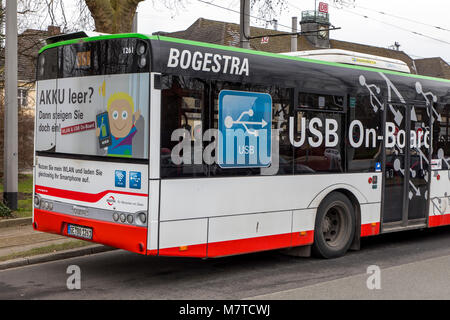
[170, 147]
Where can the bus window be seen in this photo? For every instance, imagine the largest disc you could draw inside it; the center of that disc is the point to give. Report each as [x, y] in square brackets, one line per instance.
[321, 101]
[183, 121]
[281, 111]
[81, 60]
[364, 158]
[47, 70]
[441, 136]
[318, 149]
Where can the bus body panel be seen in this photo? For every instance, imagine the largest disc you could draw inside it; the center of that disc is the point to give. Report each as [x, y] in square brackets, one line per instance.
[84, 193]
[225, 216]
[127, 237]
[245, 195]
[439, 211]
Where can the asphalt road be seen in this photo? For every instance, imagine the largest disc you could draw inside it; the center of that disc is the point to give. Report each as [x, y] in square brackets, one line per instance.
[413, 265]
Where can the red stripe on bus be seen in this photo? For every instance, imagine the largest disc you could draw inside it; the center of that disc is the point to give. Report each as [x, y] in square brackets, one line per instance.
[225, 248]
[439, 220]
[196, 251]
[231, 247]
[370, 229]
[116, 235]
[80, 196]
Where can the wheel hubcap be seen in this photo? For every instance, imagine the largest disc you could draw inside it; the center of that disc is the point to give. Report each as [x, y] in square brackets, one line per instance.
[332, 230]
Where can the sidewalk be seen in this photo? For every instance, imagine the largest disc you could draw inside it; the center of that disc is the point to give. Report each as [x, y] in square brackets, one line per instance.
[21, 245]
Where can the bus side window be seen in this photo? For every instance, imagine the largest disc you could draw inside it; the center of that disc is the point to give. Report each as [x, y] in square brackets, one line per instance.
[183, 120]
[441, 136]
[364, 158]
[318, 133]
[318, 149]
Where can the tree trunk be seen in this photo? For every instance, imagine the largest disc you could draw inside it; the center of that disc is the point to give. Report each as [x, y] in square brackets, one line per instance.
[113, 16]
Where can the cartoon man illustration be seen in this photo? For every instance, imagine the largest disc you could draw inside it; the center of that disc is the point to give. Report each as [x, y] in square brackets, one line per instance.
[120, 109]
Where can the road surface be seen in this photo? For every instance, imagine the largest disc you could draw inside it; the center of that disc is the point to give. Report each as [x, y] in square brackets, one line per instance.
[412, 265]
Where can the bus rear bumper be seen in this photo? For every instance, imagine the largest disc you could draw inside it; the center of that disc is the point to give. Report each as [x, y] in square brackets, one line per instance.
[131, 238]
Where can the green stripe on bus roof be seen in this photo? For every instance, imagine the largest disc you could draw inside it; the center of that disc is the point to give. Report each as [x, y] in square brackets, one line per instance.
[96, 38]
[281, 56]
[241, 50]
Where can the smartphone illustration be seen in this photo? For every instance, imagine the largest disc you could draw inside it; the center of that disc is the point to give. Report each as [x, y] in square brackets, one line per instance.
[104, 138]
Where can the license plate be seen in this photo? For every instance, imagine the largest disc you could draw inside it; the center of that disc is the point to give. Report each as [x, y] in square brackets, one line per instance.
[79, 231]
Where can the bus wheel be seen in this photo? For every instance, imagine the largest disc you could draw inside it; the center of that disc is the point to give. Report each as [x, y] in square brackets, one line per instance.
[334, 227]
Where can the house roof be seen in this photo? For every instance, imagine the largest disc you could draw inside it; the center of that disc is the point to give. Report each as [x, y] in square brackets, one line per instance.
[226, 33]
[29, 43]
[435, 67]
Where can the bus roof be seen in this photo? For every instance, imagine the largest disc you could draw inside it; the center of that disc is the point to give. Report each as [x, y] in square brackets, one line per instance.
[235, 49]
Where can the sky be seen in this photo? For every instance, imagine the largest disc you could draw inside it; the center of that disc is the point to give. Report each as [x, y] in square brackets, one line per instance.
[412, 23]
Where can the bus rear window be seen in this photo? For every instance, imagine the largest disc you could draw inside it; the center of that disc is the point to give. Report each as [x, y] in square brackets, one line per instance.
[93, 99]
[104, 57]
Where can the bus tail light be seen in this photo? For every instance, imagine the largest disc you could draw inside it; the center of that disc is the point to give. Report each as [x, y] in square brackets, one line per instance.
[37, 201]
[130, 218]
[142, 61]
[46, 205]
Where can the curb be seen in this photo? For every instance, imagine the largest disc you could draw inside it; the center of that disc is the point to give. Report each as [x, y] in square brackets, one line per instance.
[61, 255]
[7, 223]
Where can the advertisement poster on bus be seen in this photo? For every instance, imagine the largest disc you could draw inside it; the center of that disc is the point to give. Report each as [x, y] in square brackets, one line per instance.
[95, 116]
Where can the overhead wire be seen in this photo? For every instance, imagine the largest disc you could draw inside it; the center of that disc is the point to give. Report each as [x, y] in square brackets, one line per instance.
[238, 12]
[348, 11]
[396, 26]
[403, 18]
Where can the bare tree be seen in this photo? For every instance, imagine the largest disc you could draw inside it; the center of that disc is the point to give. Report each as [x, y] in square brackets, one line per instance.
[267, 9]
[113, 16]
[264, 10]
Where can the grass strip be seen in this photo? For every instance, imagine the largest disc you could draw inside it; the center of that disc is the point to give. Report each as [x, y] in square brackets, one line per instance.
[47, 249]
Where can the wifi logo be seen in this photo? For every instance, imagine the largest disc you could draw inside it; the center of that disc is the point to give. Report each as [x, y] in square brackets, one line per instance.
[120, 178]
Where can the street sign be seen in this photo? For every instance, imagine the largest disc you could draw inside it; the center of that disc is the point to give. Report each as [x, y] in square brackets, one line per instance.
[245, 129]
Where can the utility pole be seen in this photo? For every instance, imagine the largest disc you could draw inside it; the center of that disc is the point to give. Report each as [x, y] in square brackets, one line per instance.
[10, 156]
[245, 24]
[134, 27]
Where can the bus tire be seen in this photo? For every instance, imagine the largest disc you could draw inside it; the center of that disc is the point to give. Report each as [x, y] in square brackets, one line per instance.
[334, 227]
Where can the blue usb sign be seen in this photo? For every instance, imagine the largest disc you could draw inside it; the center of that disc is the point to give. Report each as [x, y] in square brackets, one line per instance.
[245, 129]
[135, 180]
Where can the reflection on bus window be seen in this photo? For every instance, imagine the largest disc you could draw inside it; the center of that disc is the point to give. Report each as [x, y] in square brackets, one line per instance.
[183, 120]
[321, 101]
[314, 155]
[364, 159]
[441, 136]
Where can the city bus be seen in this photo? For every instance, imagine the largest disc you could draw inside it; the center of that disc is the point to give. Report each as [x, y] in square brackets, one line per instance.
[169, 147]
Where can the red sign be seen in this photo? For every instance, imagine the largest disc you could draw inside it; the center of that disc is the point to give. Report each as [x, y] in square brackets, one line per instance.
[323, 7]
[78, 128]
[264, 40]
